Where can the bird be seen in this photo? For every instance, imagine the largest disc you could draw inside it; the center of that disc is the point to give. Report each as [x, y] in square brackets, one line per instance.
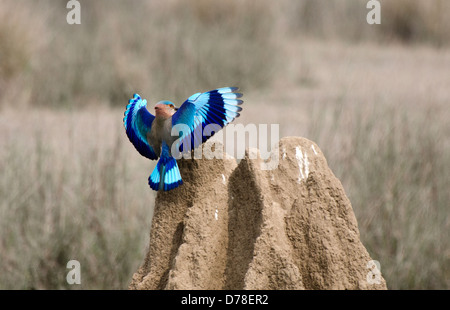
[159, 136]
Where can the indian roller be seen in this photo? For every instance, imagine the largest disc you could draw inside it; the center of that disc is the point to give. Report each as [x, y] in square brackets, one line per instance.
[181, 129]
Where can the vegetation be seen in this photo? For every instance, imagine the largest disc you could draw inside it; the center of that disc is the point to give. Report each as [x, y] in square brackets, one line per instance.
[374, 98]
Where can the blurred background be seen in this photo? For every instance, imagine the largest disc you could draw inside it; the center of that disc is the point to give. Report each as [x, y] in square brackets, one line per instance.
[375, 98]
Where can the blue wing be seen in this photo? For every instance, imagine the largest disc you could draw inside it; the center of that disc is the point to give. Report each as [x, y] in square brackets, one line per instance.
[138, 122]
[213, 110]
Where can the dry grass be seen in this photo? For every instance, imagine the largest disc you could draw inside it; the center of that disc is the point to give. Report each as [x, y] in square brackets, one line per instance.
[148, 47]
[407, 21]
[73, 187]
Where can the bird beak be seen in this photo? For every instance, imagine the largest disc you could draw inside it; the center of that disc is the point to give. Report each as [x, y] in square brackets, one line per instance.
[175, 108]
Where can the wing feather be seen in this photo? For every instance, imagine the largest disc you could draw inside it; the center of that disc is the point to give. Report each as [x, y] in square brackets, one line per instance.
[219, 106]
[138, 122]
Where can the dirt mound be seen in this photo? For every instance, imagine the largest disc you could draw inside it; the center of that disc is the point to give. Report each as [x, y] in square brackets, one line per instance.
[241, 227]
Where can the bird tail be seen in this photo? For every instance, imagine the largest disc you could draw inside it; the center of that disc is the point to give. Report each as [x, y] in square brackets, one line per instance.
[166, 175]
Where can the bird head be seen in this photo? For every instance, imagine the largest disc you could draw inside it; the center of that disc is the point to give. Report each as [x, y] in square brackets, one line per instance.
[165, 109]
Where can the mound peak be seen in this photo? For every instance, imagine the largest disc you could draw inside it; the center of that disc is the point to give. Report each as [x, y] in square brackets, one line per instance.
[239, 226]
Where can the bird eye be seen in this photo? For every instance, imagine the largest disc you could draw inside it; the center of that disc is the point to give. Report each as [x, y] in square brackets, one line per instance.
[171, 105]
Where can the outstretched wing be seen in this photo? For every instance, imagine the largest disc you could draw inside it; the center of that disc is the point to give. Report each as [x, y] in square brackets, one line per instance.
[138, 122]
[213, 110]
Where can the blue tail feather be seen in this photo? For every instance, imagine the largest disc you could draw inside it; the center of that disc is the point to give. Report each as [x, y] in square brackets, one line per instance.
[166, 175]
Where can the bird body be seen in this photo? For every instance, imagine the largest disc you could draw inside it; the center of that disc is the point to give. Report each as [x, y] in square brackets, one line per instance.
[152, 134]
[160, 131]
